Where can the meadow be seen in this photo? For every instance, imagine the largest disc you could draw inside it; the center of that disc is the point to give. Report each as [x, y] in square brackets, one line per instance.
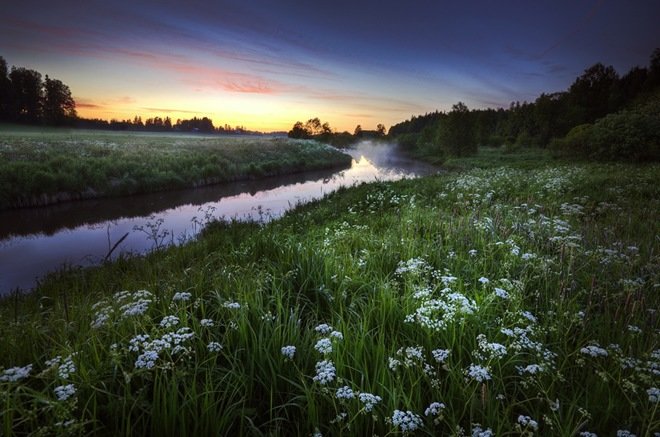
[513, 297]
[41, 166]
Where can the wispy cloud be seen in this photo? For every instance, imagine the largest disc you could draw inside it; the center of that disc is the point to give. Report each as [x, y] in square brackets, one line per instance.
[170, 110]
[85, 105]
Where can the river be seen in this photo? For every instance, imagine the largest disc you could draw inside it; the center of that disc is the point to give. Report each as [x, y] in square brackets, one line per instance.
[35, 241]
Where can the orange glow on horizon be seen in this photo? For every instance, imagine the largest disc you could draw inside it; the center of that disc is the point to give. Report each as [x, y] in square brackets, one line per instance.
[256, 118]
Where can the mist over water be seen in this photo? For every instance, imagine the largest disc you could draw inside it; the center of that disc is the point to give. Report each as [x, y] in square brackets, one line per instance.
[39, 240]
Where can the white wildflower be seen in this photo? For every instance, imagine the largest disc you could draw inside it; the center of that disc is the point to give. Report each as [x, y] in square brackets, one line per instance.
[434, 409]
[323, 329]
[528, 422]
[413, 265]
[325, 372]
[654, 394]
[323, 346]
[100, 318]
[484, 280]
[440, 355]
[529, 316]
[136, 308]
[594, 351]
[477, 431]
[531, 369]
[65, 423]
[137, 342]
[478, 373]
[288, 351]
[64, 392]
[181, 296]
[214, 346]
[407, 421]
[345, 392]
[169, 321]
[448, 279]
[369, 401]
[54, 361]
[232, 305]
[146, 360]
[66, 368]
[494, 350]
[207, 323]
[501, 293]
[14, 374]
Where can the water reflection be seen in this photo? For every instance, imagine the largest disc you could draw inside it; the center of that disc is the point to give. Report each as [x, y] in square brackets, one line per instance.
[35, 241]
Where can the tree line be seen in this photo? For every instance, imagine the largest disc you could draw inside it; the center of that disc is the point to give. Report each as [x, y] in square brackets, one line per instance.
[315, 129]
[161, 124]
[27, 98]
[599, 91]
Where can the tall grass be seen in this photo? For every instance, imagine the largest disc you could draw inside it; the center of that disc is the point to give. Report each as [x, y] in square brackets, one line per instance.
[515, 300]
[46, 166]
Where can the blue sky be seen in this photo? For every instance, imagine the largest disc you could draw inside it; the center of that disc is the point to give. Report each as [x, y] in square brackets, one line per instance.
[266, 65]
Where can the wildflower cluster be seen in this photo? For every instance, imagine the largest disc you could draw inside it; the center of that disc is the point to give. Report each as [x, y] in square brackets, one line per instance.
[14, 374]
[150, 350]
[406, 421]
[122, 305]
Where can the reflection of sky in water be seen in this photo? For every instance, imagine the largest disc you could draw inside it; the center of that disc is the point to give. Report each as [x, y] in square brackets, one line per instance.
[23, 258]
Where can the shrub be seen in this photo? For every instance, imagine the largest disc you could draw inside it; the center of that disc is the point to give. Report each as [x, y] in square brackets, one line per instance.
[628, 135]
[576, 143]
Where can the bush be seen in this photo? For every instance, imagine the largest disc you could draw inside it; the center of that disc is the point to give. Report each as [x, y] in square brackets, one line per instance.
[576, 143]
[408, 141]
[628, 135]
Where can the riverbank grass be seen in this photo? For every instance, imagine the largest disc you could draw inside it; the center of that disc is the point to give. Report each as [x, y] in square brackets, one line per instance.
[43, 166]
[499, 301]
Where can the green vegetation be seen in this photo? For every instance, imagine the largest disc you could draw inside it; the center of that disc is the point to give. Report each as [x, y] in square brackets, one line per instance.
[622, 128]
[628, 135]
[39, 166]
[25, 98]
[519, 299]
[314, 129]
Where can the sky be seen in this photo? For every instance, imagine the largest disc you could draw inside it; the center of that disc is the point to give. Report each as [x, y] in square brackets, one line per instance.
[267, 64]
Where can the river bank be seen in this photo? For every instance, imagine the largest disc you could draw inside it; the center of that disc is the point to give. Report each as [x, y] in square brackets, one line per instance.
[44, 167]
[441, 302]
[34, 241]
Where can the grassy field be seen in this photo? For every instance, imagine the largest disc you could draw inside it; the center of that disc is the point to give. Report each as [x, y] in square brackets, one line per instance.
[41, 166]
[517, 299]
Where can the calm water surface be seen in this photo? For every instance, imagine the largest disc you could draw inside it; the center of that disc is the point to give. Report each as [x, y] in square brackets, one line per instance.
[36, 241]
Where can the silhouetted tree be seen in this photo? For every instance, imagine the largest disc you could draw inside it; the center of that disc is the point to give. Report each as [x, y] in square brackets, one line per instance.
[592, 92]
[299, 131]
[26, 94]
[358, 131]
[380, 129]
[455, 132]
[58, 105]
[653, 79]
[203, 124]
[313, 126]
[5, 91]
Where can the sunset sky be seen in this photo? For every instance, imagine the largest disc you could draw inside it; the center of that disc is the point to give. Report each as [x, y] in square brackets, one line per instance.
[267, 64]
